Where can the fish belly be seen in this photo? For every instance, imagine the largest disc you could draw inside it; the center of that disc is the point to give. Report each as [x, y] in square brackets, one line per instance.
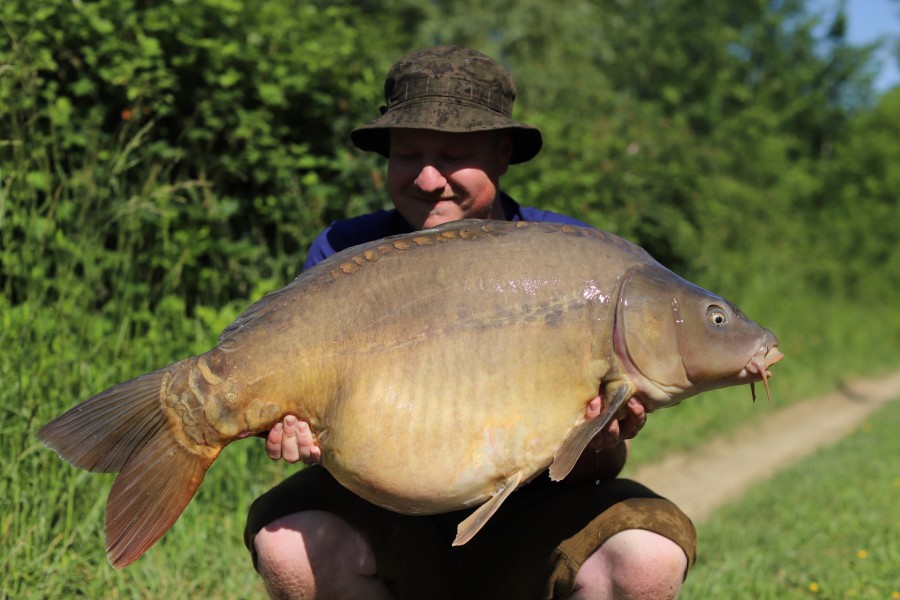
[412, 438]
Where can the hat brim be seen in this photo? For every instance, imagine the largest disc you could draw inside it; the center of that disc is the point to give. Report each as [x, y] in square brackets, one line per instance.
[446, 116]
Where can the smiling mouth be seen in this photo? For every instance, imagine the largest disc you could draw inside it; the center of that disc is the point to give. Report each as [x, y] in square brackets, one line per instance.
[437, 199]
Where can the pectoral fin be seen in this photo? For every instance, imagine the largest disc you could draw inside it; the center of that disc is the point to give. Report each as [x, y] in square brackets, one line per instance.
[471, 525]
[574, 445]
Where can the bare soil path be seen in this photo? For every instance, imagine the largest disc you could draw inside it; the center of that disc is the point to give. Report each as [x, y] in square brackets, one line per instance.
[721, 470]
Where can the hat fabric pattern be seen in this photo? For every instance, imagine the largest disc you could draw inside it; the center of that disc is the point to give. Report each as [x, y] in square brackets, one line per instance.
[452, 89]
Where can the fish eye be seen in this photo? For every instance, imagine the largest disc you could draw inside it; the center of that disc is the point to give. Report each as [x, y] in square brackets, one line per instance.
[716, 316]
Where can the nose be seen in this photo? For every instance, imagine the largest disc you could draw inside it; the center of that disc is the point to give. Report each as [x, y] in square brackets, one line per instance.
[430, 180]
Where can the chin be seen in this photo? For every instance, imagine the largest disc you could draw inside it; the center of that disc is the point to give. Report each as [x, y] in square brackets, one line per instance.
[435, 220]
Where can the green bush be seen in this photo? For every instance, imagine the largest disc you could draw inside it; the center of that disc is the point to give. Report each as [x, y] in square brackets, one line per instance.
[856, 213]
[198, 145]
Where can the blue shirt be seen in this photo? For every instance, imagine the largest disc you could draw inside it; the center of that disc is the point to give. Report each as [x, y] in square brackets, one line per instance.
[341, 235]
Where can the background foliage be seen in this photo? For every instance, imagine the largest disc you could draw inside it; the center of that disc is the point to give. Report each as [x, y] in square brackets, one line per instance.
[162, 165]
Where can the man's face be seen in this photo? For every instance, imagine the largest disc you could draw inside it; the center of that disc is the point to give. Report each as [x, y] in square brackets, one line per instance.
[435, 177]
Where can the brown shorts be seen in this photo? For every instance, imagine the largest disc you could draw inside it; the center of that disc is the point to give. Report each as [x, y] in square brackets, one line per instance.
[531, 548]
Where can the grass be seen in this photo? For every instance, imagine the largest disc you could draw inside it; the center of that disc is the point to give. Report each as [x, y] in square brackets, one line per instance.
[55, 353]
[51, 515]
[828, 527]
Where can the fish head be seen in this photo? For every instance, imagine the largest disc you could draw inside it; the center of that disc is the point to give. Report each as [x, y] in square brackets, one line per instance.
[675, 339]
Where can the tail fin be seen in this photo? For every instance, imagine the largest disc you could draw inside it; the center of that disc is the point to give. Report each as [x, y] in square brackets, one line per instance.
[125, 430]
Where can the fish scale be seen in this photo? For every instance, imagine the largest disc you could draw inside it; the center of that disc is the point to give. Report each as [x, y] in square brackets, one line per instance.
[438, 370]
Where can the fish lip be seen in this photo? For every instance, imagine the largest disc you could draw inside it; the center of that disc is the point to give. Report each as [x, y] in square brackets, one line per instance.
[757, 368]
[759, 363]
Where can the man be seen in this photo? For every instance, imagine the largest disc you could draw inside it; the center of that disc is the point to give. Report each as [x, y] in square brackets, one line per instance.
[448, 135]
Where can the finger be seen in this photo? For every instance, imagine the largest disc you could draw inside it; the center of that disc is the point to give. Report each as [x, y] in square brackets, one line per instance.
[607, 438]
[612, 434]
[290, 447]
[593, 408]
[310, 453]
[636, 408]
[634, 420]
[273, 442]
[304, 434]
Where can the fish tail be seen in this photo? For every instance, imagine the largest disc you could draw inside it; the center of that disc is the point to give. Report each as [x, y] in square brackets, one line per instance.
[125, 430]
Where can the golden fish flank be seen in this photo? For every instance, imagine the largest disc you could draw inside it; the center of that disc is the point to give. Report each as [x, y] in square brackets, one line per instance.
[499, 332]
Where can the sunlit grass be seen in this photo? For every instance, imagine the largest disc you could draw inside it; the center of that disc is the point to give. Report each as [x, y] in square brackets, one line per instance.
[52, 515]
[827, 527]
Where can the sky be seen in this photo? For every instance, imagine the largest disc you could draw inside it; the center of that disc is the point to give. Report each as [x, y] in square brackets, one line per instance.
[867, 20]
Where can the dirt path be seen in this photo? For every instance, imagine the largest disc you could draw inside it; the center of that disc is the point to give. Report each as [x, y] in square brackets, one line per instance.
[720, 471]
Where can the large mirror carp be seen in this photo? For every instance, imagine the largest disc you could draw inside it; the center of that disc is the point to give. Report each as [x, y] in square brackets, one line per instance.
[438, 370]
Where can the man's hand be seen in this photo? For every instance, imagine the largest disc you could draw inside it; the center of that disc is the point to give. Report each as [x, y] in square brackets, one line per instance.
[626, 423]
[606, 454]
[292, 440]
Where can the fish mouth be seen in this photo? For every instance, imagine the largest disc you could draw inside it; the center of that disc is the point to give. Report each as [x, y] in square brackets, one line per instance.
[757, 368]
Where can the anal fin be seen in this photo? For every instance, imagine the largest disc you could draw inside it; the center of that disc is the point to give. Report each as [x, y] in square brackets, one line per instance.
[576, 442]
[474, 522]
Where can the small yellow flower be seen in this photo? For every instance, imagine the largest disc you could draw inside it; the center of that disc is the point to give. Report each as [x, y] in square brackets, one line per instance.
[814, 587]
[862, 554]
[895, 595]
[896, 481]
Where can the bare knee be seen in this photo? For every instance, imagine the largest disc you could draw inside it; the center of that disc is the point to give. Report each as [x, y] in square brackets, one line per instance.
[632, 564]
[316, 554]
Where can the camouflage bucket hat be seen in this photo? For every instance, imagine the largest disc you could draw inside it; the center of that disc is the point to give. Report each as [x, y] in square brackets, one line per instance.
[453, 89]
